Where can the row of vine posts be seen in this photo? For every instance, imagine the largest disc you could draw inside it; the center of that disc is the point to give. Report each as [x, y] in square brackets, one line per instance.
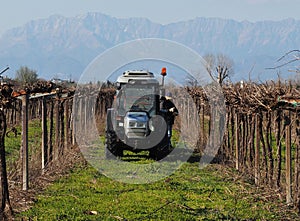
[53, 106]
[261, 137]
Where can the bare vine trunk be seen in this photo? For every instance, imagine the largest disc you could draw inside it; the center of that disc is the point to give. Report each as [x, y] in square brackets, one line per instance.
[269, 148]
[264, 153]
[5, 209]
[279, 148]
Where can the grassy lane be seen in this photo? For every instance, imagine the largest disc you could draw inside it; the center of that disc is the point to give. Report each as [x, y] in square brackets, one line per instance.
[189, 194]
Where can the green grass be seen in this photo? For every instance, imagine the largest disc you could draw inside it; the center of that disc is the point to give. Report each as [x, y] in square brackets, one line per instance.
[188, 194]
[12, 147]
[13, 144]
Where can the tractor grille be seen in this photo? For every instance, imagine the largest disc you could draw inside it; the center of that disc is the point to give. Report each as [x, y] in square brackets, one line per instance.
[136, 133]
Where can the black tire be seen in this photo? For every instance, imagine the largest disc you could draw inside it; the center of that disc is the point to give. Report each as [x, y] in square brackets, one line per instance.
[153, 154]
[162, 150]
[111, 147]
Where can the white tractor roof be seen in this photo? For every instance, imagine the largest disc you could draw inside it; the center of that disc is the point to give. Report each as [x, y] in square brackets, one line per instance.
[137, 75]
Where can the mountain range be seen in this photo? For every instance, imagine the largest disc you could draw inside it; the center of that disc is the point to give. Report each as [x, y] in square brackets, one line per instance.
[61, 46]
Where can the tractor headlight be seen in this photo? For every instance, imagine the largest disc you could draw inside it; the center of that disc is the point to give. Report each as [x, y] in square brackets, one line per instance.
[131, 123]
[141, 124]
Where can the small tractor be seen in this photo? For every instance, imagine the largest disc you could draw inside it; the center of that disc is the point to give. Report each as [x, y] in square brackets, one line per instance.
[135, 121]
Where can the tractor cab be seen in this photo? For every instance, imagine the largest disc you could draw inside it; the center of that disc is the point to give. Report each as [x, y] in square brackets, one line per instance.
[137, 93]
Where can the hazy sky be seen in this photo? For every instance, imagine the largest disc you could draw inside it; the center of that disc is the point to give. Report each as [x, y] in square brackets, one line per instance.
[18, 12]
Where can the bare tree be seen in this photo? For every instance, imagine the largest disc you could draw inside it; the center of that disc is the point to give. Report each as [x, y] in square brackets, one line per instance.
[290, 61]
[191, 81]
[289, 58]
[26, 75]
[219, 67]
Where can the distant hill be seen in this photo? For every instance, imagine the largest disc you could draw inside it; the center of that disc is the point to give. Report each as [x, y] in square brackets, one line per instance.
[65, 46]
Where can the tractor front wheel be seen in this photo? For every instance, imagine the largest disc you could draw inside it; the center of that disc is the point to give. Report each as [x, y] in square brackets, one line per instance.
[111, 146]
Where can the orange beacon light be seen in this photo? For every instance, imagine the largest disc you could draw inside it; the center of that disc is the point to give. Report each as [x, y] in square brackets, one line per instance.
[164, 71]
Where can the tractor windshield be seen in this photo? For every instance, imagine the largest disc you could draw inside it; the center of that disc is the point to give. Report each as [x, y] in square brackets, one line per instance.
[137, 97]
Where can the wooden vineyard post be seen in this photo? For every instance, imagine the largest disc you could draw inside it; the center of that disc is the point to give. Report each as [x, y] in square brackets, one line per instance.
[67, 127]
[44, 134]
[237, 142]
[228, 149]
[50, 140]
[73, 121]
[257, 151]
[212, 128]
[288, 159]
[86, 112]
[252, 142]
[57, 128]
[62, 129]
[200, 127]
[80, 118]
[189, 112]
[297, 169]
[203, 125]
[24, 148]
